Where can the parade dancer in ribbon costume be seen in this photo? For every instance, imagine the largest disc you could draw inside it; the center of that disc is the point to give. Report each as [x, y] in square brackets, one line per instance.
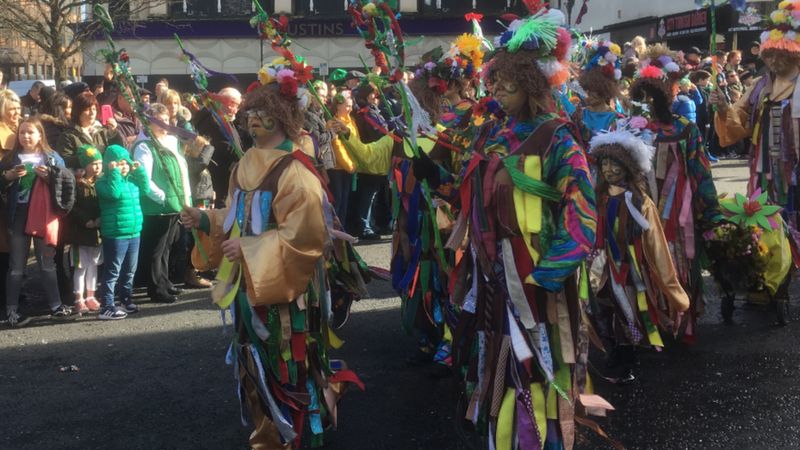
[529, 208]
[769, 113]
[635, 266]
[268, 244]
[680, 184]
[599, 79]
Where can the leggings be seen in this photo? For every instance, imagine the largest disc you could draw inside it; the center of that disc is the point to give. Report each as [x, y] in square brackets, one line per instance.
[86, 259]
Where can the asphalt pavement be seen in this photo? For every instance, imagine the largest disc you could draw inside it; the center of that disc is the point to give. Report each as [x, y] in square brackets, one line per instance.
[158, 380]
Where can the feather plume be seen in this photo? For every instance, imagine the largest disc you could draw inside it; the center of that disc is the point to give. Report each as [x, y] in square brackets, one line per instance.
[540, 29]
[630, 140]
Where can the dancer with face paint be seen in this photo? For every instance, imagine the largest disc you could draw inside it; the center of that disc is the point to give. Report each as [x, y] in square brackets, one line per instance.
[269, 243]
[633, 264]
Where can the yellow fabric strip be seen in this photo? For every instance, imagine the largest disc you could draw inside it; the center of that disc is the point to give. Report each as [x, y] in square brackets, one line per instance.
[653, 336]
[333, 340]
[641, 301]
[529, 207]
[540, 416]
[552, 404]
[505, 421]
[225, 291]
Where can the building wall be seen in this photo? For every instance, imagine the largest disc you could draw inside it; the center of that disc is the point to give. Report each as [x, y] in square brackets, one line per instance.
[608, 12]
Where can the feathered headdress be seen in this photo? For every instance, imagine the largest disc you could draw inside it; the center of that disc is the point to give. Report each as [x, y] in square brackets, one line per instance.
[625, 145]
[661, 63]
[604, 55]
[782, 28]
[542, 32]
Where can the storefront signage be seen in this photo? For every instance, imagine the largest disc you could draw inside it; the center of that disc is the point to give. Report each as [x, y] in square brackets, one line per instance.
[684, 24]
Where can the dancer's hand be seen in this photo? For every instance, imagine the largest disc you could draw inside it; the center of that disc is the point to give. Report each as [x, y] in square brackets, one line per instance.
[232, 250]
[190, 217]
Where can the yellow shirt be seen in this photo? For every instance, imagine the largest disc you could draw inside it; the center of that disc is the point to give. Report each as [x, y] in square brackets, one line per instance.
[344, 161]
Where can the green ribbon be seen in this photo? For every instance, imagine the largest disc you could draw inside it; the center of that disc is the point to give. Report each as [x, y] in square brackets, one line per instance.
[527, 184]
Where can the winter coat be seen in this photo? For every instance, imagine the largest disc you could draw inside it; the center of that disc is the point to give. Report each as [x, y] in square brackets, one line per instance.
[170, 189]
[127, 127]
[52, 160]
[53, 128]
[86, 208]
[686, 105]
[120, 210]
[62, 188]
[73, 137]
[199, 176]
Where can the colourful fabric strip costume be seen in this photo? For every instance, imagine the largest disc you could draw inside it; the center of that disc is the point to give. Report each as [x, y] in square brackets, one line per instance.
[528, 209]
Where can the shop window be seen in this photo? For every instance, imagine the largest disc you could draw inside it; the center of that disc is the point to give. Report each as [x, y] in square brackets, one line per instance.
[319, 7]
[457, 7]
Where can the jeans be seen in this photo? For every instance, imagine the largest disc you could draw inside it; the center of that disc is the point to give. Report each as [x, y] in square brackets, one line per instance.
[368, 186]
[19, 246]
[158, 235]
[340, 184]
[120, 257]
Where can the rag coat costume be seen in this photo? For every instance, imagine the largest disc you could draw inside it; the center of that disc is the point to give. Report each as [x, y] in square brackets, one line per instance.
[276, 295]
[528, 208]
[682, 187]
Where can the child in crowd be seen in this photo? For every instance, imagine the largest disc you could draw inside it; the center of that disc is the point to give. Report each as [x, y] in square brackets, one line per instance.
[83, 230]
[26, 168]
[120, 228]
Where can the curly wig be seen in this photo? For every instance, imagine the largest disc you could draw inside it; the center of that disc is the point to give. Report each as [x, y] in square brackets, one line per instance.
[286, 111]
[662, 92]
[598, 84]
[521, 69]
[430, 100]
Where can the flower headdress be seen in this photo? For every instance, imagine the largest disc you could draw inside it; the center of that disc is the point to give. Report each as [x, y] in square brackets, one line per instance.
[661, 63]
[542, 32]
[782, 28]
[626, 145]
[600, 54]
[291, 73]
[463, 60]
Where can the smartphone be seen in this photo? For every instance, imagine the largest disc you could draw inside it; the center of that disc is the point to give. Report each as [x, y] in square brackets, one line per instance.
[106, 113]
[19, 167]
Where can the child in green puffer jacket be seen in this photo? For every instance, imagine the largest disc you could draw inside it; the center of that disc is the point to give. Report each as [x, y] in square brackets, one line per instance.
[119, 189]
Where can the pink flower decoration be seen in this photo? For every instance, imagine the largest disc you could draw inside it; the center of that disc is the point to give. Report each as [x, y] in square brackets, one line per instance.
[283, 74]
[637, 122]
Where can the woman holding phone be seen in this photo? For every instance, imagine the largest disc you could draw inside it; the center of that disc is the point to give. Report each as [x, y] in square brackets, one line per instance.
[85, 129]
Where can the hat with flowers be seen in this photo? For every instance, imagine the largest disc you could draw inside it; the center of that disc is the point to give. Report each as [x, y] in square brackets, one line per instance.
[781, 30]
[463, 60]
[542, 32]
[601, 54]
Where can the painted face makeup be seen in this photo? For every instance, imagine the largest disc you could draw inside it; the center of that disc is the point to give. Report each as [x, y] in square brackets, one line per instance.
[511, 98]
[612, 172]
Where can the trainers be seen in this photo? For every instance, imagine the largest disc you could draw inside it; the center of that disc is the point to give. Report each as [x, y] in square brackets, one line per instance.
[130, 307]
[112, 314]
[17, 320]
[92, 304]
[80, 307]
[63, 312]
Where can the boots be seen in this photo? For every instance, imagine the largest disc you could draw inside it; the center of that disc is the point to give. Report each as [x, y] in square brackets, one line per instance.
[194, 280]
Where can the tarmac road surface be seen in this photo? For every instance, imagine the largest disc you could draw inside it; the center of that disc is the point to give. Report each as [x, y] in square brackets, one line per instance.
[157, 380]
